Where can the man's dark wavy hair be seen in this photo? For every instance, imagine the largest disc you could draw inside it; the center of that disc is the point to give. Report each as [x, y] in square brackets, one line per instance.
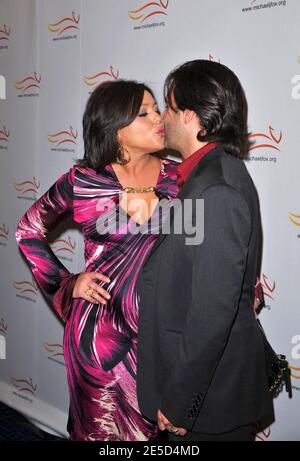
[112, 106]
[216, 95]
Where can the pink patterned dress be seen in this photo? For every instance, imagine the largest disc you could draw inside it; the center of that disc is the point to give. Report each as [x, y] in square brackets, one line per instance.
[100, 341]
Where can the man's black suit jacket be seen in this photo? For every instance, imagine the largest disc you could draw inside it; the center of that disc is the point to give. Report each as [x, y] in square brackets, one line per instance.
[200, 352]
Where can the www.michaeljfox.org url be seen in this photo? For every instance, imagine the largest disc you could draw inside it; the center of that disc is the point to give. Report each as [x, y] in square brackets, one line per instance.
[261, 6]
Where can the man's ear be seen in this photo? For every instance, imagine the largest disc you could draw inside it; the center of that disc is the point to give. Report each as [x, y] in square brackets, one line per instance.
[188, 116]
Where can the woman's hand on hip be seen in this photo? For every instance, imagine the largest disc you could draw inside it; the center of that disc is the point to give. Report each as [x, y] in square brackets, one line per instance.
[86, 287]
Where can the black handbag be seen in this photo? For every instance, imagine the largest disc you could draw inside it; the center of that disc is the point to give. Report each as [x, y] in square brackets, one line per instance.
[278, 370]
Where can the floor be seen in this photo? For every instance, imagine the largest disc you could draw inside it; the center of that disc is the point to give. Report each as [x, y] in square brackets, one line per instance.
[15, 427]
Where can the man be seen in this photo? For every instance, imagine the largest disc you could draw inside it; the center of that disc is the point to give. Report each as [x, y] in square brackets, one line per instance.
[201, 363]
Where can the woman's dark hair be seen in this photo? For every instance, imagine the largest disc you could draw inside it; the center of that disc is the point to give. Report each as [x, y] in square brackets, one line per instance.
[216, 95]
[112, 106]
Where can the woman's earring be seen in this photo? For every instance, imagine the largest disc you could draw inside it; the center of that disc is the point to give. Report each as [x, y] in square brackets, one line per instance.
[121, 160]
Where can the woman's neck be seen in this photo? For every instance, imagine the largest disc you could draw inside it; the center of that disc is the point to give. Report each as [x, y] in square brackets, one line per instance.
[137, 164]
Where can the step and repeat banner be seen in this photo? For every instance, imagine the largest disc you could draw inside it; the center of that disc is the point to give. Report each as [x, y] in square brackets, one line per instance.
[52, 56]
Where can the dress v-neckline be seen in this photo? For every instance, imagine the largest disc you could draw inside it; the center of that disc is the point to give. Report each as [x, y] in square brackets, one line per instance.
[160, 175]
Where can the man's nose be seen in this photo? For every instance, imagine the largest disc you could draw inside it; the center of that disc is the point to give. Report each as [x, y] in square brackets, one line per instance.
[163, 114]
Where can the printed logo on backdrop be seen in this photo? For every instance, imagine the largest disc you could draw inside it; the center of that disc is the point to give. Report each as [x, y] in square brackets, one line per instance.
[27, 189]
[28, 86]
[258, 5]
[4, 138]
[265, 145]
[92, 81]
[25, 389]
[55, 353]
[26, 289]
[148, 14]
[63, 138]
[4, 37]
[296, 84]
[62, 27]
[295, 220]
[262, 434]
[4, 233]
[269, 289]
[212, 58]
[64, 248]
[295, 365]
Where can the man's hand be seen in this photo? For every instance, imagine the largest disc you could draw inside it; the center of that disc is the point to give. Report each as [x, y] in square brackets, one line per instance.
[164, 423]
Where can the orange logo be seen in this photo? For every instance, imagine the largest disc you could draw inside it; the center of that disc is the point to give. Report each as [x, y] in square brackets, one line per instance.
[268, 290]
[295, 219]
[261, 434]
[295, 372]
[4, 231]
[94, 80]
[23, 286]
[4, 33]
[4, 134]
[23, 385]
[272, 141]
[54, 349]
[3, 327]
[64, 245]
[211, 58]
[65, 24]
[148, 10]
[61, 137]
[32, 81]
[27, 186]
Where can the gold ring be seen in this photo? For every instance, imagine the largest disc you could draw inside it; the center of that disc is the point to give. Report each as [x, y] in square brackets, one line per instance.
[175, 430]
[89, 292]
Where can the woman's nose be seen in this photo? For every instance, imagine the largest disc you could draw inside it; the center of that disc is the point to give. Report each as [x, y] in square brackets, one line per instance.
[158, 118]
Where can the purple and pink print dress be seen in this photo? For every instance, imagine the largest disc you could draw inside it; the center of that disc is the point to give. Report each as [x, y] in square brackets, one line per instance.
[100, 340]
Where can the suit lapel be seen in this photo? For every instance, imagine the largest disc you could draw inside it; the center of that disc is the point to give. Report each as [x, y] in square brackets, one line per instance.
[201, 175]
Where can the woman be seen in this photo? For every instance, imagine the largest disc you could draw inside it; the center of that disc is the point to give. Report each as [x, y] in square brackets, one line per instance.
[122, 128]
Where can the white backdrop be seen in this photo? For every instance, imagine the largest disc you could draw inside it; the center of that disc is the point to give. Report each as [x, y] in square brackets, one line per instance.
[52, 55]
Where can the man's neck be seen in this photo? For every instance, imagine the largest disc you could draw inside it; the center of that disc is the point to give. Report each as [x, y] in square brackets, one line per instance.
[191, 148]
